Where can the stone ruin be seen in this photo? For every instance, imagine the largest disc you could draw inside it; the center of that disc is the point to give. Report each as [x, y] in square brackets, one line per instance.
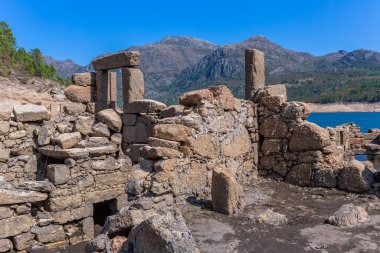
[67, 168]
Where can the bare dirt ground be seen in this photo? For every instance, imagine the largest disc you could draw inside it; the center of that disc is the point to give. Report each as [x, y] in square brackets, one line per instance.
[306, 231]
[20, 88]
[346, 107]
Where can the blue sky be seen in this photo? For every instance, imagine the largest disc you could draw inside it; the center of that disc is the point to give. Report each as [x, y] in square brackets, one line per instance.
[81, 30]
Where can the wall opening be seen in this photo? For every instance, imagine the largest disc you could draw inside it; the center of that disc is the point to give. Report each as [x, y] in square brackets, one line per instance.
[101, 211]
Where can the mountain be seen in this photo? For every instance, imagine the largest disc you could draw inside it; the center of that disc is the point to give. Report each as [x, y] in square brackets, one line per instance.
[176, 64]
[66, 68]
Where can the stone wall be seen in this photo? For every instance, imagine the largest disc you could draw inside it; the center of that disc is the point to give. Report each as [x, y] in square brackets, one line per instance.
[54, 170]
[58, 166]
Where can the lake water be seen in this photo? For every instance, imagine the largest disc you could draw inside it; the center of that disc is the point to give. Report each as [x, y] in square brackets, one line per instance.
[365, 120]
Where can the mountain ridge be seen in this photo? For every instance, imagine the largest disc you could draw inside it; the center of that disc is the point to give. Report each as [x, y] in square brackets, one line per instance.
[175, 64]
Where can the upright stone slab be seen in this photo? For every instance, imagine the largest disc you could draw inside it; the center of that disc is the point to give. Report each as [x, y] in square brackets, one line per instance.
[102, 91]
[227, 195]
[133, 84]
[254, 72]
[112, 82]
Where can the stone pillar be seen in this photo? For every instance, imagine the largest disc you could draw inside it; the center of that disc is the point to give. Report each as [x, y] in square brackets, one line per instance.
[112, 81]
[133, 84]
[254, 72]
[102, 90]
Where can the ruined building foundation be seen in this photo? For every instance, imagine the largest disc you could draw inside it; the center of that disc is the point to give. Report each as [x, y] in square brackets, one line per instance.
[65, 167]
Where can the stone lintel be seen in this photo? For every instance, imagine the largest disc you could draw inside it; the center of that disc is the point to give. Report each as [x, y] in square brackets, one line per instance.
[117, 60]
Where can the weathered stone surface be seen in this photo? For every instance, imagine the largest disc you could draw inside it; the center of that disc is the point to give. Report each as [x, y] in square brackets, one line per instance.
[5, 112]
[44, 135]
[125, 220]
[65, 216]
[58, 173]
[83, 125]
[348, 216]
[88, 228]
[5, 245]
[68, 140]
[273, 103]
[59, 204]
[171, 132]
[10, 197]
[23, 240]
[162, 234]
[117, 60]
[204, 145]
[78, 94]
[100, 130]
[227, 195]
[155, 142]
[133, 84]
[273, 127]
[109, 163]
[237, 143]
[309, 136]
[50, 233]
[74, 108]
[135, 134]
[117, 243]
[93, 142]
[355, 177]
[276, 90]
[101, 243]
[254, 72]
[84, 79]
[39, 186]
[192, 98]
[99, 196]
[5, 212]
[15, 225]
[144, 106]
[75, 153]
[30, 112]
[103, 150]
[117, 138]
[4, 154]
[111, 118]
[224, 96]
[159, 152]
[172, 111]
[271, 146]
[165, 165]
[4, 127]
[300, 175]
[111, 179]
[17, 135]
[325, 178]
[269, 217]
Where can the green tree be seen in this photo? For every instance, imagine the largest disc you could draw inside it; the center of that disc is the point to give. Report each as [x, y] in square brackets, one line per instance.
[7, 44]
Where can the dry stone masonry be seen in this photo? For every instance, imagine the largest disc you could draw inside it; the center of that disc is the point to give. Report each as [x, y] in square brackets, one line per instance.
[65, 168]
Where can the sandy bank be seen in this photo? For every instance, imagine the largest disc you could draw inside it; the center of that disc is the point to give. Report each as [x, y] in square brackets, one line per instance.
[346, 107]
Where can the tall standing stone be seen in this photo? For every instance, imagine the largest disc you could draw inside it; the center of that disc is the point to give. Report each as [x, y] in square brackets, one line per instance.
[133, 84]
[254, 72]
[112, 81]
[102, 90]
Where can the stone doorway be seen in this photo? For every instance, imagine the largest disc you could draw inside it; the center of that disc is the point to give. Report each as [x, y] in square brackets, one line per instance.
[101, 211]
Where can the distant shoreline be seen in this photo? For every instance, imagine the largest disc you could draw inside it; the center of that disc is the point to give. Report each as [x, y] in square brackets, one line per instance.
[345, 107]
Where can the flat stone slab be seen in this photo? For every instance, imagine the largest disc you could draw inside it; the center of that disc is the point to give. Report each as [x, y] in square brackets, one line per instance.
[144, 106]
[10, 197]
[77, 153]
[31, 112]
[63, 153]
[118, 60]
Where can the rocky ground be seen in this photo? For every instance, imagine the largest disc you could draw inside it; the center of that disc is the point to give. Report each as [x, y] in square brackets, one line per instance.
[21, 88]
[303, 229]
